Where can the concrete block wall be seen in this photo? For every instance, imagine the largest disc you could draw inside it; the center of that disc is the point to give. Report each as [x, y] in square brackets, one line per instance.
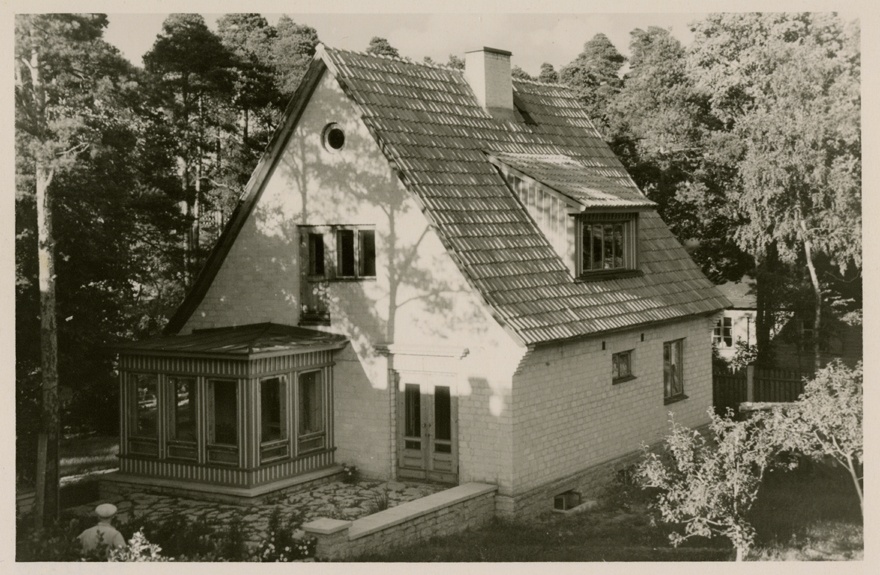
[444, 513]
[569, 417]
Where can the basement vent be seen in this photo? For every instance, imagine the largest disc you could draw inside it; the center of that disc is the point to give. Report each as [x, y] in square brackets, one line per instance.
[567, 500]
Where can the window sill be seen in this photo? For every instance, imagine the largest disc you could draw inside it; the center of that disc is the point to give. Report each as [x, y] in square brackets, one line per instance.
[350, 279]
[622, 379]
[675, 399]
[602, 275]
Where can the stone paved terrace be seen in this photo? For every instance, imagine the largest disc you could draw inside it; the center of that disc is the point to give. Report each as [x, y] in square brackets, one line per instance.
[335, 500]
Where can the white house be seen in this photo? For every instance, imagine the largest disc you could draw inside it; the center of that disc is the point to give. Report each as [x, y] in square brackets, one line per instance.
[436, 274]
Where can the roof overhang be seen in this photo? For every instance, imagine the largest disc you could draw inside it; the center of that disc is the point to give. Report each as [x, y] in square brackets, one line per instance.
[244, 342]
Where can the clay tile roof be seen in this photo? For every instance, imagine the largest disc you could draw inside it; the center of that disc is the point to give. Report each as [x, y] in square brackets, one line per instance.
[584, 184]
[428, 122]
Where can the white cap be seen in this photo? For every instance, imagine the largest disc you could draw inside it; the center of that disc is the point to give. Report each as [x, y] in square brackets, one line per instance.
[105, 510]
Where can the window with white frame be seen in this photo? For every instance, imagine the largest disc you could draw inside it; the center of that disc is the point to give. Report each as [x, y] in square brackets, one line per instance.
[673, 370]
[338, 252]
[606, 244]
[355, 252]
[723, 334]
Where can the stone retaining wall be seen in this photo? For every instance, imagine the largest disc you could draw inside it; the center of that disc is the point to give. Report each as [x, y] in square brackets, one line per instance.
[114, 486]
[444, 513]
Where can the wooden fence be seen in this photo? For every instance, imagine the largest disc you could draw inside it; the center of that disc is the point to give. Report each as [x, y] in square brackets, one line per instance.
[729, 389]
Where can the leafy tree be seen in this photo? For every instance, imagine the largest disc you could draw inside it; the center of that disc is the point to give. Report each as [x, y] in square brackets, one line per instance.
[708, 486]
[548, 74]
[249, 38]
[657, 125]
[826, 421]
[520, 74]
[784, 89]
[455, 62]
[293, 49]
[64, 87]
[594, 76]
[381, 47]
[192, 72]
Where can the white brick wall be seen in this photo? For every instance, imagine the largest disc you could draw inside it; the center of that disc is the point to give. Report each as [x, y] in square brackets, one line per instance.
[568, 416]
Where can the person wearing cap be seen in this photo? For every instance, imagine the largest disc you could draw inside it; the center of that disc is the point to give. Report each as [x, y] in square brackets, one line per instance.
[103, 532]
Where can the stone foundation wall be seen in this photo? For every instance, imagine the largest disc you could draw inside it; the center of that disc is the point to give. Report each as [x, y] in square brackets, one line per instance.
[444, 513]
[115, 487]
[591, 483]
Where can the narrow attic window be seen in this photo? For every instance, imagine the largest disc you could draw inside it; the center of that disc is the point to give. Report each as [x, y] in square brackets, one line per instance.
[606, 245]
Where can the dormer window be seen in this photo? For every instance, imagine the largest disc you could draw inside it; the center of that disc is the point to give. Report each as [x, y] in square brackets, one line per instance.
[606, 245]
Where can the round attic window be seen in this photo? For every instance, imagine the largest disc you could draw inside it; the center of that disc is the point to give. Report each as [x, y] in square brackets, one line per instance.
[334, 137]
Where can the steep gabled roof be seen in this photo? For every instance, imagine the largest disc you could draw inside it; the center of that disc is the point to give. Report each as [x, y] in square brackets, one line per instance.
[427, 122]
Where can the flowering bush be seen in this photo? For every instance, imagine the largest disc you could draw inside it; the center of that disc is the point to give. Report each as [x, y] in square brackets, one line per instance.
[137, 550]
[284, 541]
[350, 474]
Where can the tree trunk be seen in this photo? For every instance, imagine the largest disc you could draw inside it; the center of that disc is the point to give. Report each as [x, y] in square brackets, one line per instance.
[197, 206]
[817, 292]
[47, 496]
[767, 301]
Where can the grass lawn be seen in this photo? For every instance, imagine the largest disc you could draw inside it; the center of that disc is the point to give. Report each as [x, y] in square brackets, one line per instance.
[808, 514]
[84, 454]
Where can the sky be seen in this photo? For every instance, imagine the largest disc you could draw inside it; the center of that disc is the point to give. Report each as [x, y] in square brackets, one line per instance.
[533, 38]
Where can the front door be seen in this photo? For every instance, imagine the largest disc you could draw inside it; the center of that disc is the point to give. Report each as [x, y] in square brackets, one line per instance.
[427, 432]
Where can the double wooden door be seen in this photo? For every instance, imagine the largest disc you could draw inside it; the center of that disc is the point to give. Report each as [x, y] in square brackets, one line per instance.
[427, 431]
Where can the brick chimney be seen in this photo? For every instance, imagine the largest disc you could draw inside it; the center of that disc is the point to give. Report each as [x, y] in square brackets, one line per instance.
[487, 70]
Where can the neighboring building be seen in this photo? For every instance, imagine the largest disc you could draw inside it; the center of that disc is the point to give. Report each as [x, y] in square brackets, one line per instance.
[736, 323]
[432, 274]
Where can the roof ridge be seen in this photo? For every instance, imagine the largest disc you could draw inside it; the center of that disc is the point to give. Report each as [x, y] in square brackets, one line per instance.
[401, 59]
[540, 83]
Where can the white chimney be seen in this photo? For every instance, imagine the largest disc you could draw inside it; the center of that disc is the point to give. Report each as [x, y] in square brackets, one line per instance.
[487, 70]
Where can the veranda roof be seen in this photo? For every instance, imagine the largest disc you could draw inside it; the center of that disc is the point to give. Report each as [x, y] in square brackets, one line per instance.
[239, 341]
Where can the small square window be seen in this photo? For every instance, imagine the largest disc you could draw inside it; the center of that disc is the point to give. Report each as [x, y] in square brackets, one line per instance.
[621, 366]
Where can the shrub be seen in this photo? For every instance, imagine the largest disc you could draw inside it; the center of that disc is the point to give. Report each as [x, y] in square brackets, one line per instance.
[282, 542]
[826, 421]
[350, 474]
[708, 487]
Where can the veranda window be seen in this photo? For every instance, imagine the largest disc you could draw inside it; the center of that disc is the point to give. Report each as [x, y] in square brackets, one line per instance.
[272, 412]
[311, 411]
[222, 412]
[183, 413]
[145, 405]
